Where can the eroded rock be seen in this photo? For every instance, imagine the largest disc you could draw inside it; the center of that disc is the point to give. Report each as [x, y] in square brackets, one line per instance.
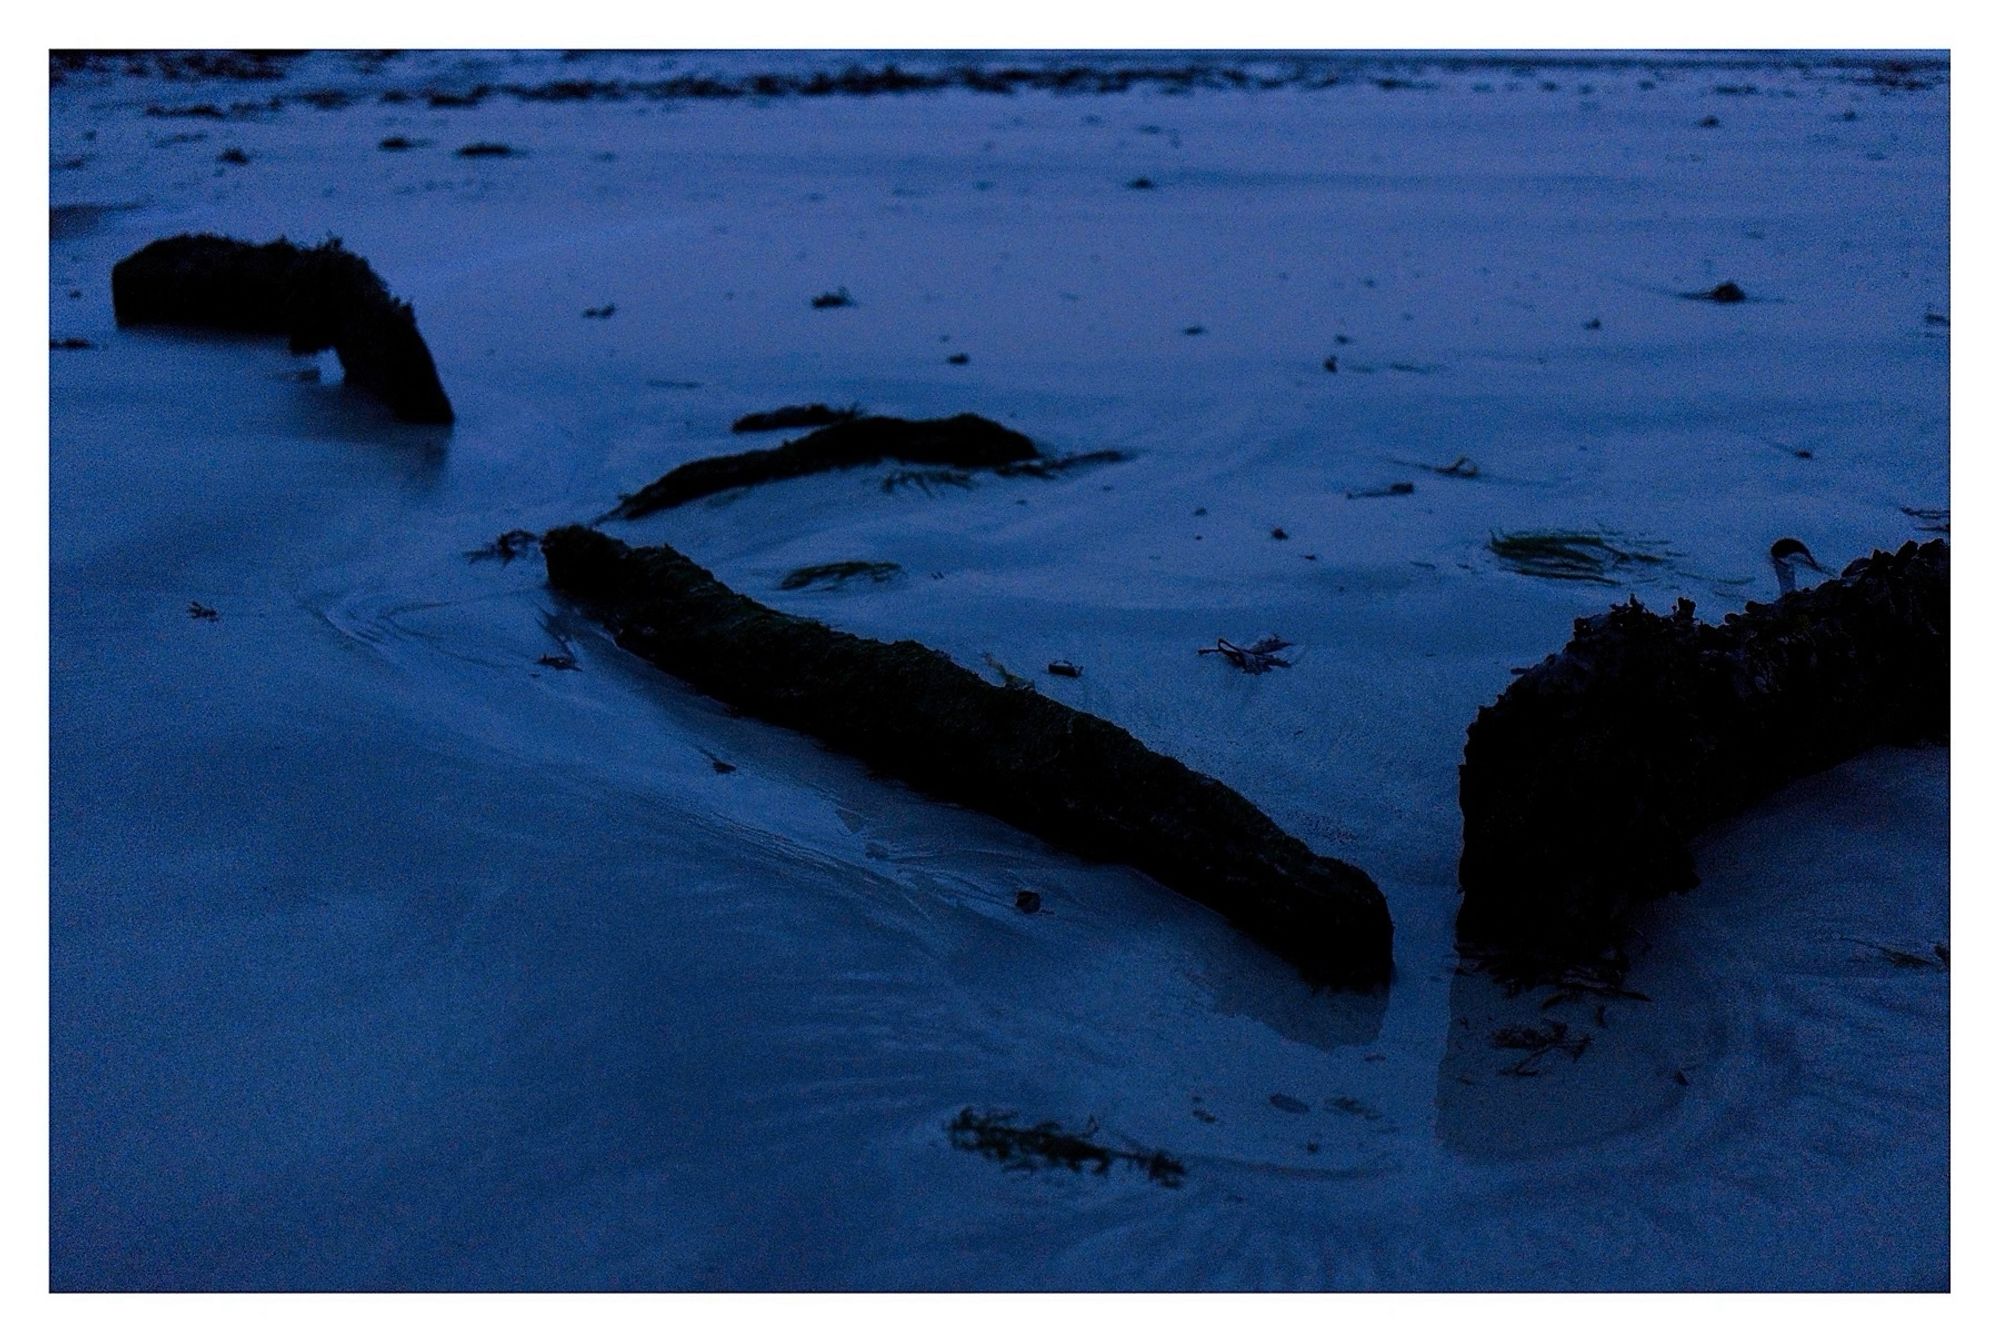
[1584, 784]
[1072, 779]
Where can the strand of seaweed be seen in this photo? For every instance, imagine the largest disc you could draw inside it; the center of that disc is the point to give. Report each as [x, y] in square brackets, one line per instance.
[995, 1135]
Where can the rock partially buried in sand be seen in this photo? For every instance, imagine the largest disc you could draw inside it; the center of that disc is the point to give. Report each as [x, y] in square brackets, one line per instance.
[1072, 779]
[1583, 785]
[1729, 291]
[967, 441]
[322, 297]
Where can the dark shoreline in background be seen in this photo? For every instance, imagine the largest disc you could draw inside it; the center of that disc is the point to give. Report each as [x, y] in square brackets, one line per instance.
[865, 74]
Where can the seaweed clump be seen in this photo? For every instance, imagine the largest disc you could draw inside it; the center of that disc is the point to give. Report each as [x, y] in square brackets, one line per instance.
[969, 441]
[1583, 785]
[907, 711]
[1047, 1146]
[319, 298]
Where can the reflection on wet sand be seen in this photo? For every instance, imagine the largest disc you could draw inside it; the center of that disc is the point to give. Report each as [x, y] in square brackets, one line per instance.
[1263, 988]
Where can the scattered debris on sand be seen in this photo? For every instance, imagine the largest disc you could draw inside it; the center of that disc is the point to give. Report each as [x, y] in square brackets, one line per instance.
[1726, 292]
[1258, 658]
[837, 298]
[967, 441]
[836, 574]
[1568, 556]
[1584, 783]
[1536, 1042]
[814, 416]
[322, 297]
[907, 711]
[1519, 971]
[995, 1134]
[507, 547]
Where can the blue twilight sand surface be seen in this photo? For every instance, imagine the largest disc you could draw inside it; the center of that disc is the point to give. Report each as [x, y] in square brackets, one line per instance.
[384, 956]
